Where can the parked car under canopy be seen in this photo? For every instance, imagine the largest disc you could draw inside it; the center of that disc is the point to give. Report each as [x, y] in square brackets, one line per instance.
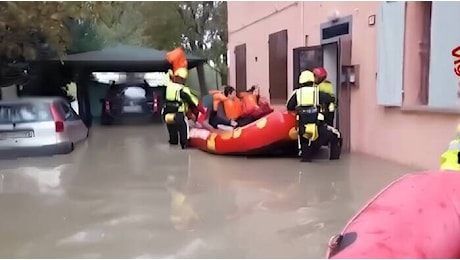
[117, 59]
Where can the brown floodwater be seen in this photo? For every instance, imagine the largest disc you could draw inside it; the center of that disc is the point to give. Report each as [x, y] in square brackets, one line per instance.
[125, 193]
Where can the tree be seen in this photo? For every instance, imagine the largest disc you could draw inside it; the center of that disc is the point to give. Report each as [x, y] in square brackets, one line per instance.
[23, 25]
[206, 31]
[199, 26]
[123, 24]
[85, 37]
[164, 27]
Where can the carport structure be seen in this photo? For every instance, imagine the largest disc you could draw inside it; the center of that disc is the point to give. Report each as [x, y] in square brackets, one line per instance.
[121, 58]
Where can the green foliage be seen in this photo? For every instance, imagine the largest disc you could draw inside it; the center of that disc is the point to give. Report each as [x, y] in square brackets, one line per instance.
[84, 38]
[124, 24]
[164, 28]
[22, 24]
[206, 31]
[200, 26]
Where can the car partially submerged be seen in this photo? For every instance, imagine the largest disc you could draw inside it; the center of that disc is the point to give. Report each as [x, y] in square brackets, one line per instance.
[39, 126]
[132, 101]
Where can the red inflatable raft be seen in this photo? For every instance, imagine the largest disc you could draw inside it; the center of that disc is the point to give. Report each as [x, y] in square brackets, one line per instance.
[274, 133]
[417, 216]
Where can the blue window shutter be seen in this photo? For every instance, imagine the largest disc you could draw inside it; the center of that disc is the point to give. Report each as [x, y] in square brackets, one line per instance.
[444, 37]
[390, 52]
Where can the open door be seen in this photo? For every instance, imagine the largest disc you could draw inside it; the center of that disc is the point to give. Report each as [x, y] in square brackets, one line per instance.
[277, 66]
[306, 58]
[240, 67]
[344, 93]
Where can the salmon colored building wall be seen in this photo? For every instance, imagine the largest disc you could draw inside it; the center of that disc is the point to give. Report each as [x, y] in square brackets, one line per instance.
[411, 135]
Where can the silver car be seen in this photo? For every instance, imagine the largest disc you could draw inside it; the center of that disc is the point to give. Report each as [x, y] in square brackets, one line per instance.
[39, 126]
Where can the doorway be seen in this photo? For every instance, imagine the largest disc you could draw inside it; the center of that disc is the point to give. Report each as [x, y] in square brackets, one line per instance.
[277, 58]
[240, 67]
[331, 63]
[306, 58]
[332, 56]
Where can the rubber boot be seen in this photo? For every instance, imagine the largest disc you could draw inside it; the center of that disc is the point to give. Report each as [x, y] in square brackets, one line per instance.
[306, 154]
[173, 143]
[335, 150]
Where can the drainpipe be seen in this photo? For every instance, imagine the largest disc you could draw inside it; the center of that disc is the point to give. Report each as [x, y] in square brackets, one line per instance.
[302, 26]
[265, 17]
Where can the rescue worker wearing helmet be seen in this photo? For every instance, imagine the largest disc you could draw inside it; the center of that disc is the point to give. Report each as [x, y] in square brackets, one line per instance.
[313, 132]
[327, 95]
[450, 159]
[179, 99]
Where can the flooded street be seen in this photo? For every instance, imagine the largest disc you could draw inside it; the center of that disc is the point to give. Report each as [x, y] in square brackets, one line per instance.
[126, 194]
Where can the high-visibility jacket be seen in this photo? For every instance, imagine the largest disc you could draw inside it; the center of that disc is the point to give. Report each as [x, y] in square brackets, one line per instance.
[450, 159]
[194, 98]
[307, 97]
[326, 87]
[174, 94]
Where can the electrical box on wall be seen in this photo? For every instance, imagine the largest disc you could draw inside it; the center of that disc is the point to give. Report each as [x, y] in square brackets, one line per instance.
[351, 75]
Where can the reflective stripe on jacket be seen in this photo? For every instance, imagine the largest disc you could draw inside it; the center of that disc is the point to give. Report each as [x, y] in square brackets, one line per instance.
[307, 96]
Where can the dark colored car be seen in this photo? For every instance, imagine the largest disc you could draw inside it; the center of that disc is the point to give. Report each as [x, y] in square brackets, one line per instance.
[132, 102]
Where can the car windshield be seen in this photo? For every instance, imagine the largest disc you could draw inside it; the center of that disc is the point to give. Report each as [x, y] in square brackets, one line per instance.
[24, 113]
[134, 92]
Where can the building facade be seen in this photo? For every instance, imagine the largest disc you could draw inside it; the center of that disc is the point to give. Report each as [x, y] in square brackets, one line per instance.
[391, 64]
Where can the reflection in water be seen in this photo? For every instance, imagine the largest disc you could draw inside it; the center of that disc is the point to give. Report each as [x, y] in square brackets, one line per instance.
[195, 246]
[29, 179]
[183, 216]
[91, 236]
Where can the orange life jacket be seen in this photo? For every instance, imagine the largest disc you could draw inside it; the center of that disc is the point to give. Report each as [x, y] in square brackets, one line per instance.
[232, 108]
[217, 97]
[177, 58]
[248, 99]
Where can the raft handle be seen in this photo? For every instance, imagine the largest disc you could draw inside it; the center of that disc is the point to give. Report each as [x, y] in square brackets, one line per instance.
[335, 241]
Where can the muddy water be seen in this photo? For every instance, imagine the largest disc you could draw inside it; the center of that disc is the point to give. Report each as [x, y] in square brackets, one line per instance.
[126, 194]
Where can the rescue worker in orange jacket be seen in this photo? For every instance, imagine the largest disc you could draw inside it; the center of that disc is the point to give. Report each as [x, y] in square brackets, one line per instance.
[313, 132]
[327, 95]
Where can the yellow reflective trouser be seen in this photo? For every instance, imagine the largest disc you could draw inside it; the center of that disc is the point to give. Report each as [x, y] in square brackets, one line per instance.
[449, 160]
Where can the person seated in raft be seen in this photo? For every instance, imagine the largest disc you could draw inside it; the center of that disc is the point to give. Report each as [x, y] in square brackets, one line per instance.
[227, 110]
[450, 159]
[253, 105]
